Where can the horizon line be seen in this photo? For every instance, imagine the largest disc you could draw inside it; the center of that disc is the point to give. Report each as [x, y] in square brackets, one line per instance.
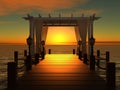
[65, 42]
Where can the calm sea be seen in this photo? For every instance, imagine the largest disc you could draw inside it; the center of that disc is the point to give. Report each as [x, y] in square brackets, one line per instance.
[7, 53]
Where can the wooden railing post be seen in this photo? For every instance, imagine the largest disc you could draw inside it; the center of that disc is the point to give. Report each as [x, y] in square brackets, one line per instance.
[107, 56]
[92, 63]
[98, 56]
[42, 55]
[36, 58]
[12, 76]
[85, 58]
[25, 53]
[80, 55]
[110, 75]
[28, 63]
[73, 51]
[49, 51]
[16, 58]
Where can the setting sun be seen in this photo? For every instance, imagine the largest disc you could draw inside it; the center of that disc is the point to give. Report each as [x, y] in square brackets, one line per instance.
[61, 35]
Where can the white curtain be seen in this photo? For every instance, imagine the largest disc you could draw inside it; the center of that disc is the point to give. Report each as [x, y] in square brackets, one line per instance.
[83, 34]
[77, 33]
[38, 38]
[44, 33]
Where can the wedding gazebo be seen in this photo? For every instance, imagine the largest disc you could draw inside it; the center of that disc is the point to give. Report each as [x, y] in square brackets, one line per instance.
[39, 28]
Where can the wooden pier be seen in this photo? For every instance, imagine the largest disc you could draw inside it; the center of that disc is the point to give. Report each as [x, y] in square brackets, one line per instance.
[61, 72]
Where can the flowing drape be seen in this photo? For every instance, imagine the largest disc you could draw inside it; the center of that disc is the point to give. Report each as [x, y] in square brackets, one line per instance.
[83, 34]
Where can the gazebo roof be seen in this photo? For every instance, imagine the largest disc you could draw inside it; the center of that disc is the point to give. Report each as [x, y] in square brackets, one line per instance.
[61, 21]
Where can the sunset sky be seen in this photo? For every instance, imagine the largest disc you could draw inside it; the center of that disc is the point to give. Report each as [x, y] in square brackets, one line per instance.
[14, 29]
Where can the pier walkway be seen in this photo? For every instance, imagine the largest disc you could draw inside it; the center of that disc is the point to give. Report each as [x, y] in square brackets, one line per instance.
[61, 72]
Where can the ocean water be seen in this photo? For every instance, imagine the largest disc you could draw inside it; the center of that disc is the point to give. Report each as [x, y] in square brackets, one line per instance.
[7, 53]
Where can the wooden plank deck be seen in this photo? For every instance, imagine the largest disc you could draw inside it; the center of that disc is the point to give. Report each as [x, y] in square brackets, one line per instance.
[61, 72]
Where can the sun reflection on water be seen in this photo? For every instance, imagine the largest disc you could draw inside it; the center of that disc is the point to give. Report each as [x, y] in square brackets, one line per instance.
[59, 63]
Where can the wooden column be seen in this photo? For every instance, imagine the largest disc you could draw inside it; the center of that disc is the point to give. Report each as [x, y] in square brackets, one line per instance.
[40, 37]
[37, 39]
[90, 32]
[44, 32]
[84, 32]
[89, 36]
[32, 36]
[91, 26]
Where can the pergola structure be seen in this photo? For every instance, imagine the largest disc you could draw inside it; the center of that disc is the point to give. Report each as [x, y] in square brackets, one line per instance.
[39, 28]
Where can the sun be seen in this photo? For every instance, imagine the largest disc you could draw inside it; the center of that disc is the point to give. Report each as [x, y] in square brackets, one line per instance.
[60, 35]
[59, 38]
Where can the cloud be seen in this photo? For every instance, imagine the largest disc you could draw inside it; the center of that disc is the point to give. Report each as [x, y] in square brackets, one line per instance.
[23, 6]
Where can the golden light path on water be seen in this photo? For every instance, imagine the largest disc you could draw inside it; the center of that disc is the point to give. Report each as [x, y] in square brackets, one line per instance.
[60, 63]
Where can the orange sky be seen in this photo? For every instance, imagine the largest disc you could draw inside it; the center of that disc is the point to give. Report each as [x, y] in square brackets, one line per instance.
[13, 29]
[25, 6]
[55, 36]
